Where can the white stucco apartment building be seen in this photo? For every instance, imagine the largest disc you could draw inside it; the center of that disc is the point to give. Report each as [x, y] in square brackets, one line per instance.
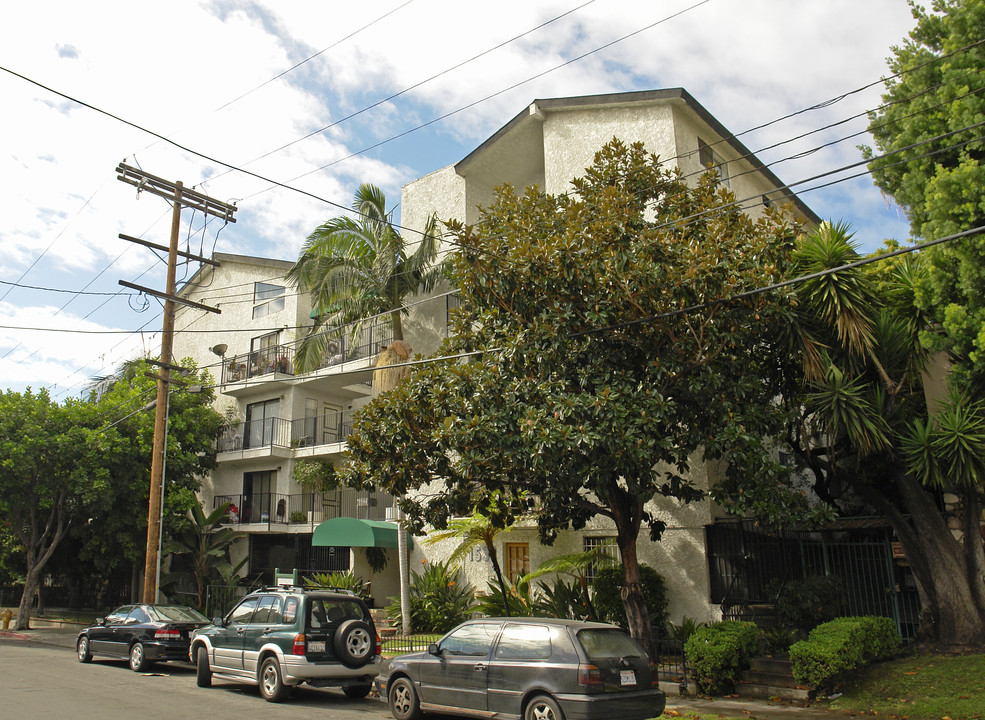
[285, 417]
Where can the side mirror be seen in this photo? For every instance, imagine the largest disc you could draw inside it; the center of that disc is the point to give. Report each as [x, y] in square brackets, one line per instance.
[100, 621]
[219, 622]
[433, 649]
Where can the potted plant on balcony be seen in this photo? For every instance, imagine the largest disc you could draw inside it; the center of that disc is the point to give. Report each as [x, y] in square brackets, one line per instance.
[280, 365]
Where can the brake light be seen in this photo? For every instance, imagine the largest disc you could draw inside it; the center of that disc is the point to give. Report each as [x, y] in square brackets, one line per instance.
[654, 675]
[589, 675]
[164, 634]
[299, 644]
[379, 645]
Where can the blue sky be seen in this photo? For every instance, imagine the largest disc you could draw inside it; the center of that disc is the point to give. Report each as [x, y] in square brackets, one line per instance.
[203, 75]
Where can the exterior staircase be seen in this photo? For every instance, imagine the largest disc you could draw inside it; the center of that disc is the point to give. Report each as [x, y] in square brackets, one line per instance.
[769, 677]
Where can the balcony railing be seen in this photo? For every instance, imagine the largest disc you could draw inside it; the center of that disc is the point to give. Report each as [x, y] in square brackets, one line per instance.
[342, 348]
[275, 359]
[322, 430]
[305, 508]
[267, 432]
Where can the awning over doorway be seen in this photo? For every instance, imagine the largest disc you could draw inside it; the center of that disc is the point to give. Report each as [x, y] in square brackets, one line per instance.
[350, 532]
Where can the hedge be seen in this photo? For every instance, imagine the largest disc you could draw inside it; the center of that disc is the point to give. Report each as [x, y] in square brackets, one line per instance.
[835, 648]
[718, 653]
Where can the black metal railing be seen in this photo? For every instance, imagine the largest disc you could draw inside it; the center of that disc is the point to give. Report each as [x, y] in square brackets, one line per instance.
[266, 432]
[304, 508]
[343, 347]
[274, 359]
[322, 430]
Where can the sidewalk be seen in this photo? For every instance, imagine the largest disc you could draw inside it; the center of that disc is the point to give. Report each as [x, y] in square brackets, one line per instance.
[64, 636]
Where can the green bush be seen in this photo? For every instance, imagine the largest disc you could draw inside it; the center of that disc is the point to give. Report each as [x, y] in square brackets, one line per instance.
[341, 580]
[804, 604]
[718, 653]
[439, 600]
[837, 647]
[518, 602]
[607, 597]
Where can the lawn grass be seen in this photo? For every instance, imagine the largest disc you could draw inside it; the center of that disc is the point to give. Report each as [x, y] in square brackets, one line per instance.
[919, 687]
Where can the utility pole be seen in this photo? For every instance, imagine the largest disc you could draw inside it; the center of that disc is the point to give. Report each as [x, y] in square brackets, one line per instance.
[179, 197]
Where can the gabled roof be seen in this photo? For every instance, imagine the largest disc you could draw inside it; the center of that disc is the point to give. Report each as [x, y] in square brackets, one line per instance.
[635, 98]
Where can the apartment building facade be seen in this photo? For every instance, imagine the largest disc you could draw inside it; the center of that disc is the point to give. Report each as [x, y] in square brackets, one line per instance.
[278, 417]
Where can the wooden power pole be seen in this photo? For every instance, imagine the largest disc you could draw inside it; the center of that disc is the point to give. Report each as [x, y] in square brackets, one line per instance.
[179, 197]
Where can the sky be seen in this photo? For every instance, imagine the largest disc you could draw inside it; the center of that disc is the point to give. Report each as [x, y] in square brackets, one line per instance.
[240, 100]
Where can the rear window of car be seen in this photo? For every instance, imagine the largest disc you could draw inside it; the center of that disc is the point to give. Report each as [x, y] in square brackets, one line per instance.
[602, 643]
[290, 610]
[326, 611]
[177, 613]
[524, 642]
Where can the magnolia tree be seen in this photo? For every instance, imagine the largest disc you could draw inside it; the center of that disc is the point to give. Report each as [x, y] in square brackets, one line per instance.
[600, 363]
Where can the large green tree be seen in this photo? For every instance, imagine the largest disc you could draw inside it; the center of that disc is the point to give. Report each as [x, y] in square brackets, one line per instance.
[862, 428]
[49, 476]
[940, 89]
[359, 267]
[600, 376]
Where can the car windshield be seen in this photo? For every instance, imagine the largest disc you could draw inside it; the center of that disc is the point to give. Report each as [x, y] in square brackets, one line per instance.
[604, 643]
[177, 613]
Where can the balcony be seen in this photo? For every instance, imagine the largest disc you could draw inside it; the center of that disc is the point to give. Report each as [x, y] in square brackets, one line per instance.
[323, 430]
[303, 512]
[277, 359]
[264, 434]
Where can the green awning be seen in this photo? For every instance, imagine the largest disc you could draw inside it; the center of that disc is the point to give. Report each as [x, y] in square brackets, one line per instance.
[350, 532]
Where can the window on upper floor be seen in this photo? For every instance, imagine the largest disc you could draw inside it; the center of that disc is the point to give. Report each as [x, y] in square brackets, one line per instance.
[267, 299]
[713, 161]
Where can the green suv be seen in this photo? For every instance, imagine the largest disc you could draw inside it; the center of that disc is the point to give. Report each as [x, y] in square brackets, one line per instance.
[277, 638]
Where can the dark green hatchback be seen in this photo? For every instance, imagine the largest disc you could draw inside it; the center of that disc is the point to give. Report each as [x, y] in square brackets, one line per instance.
[278, 638]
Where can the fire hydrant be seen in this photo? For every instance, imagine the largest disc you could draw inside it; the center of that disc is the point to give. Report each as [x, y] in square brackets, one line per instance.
[6, 616]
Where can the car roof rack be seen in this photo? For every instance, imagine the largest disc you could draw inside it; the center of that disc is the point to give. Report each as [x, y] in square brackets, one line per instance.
[301, 588]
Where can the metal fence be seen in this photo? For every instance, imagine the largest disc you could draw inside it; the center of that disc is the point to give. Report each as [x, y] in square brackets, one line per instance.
[749, 568]
[305, 508]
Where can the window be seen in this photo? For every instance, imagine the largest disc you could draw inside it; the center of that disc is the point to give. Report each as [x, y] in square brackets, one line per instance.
[261, 423]
[524, 642]
[268, 611]
[267, 299]
[257, 496]
[517, 560]
[137, 615]
[473, 640]
[290, 610]
[713, 161]
[605, 544]
[244, 611]
[118, 616]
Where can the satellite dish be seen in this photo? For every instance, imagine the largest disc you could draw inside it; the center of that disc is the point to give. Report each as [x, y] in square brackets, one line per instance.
[220, 349]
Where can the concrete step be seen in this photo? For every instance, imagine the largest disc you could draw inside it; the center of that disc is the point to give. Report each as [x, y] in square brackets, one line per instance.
[768, 678]
[777, 666]
[753, 690]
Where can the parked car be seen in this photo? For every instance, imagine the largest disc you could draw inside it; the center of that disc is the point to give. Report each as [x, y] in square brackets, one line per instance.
[530, 668]
[277, 638]
[142, 634]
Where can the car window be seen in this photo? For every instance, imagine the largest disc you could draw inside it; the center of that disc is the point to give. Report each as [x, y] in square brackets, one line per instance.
[524, 642]
[604, 643]
[474, 639]
[290, 610]
[326, 611]
[177, 613]
[268, 611]
[118, 615]
[244, 611]
[137, 615]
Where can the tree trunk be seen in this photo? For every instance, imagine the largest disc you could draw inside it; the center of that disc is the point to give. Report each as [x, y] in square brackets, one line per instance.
[950, 613]
[402, 563]
[637, 614]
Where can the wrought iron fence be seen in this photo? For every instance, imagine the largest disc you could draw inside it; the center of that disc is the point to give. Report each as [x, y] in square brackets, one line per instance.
[305, 508]
[670, 661]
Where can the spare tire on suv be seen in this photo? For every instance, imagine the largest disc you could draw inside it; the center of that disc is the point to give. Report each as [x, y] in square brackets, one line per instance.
[354, 643]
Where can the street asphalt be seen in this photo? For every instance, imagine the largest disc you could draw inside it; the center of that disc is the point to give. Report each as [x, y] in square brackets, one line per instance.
[64, 636]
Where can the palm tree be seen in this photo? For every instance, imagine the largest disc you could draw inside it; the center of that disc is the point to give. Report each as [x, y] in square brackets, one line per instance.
[358, 268]
[208, 543]
[472, 532]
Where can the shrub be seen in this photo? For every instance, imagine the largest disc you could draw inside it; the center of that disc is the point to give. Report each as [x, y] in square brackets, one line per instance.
[341, 580]
[686, 629]
[804, 604]
[562, 600]
[718, 653]
[607, 596]
[439, 600]
[518, 602]
[837, 647]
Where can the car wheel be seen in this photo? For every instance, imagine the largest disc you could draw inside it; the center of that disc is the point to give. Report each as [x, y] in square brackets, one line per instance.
[83, 649]
[403, 700]
[272, 686]
[357, 692]
[543, 707]
[203, 673]
[138, 659]
[354, 643]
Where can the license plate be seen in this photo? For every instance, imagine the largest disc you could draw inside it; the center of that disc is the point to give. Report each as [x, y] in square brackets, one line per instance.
[627, 677]
[317, 646]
